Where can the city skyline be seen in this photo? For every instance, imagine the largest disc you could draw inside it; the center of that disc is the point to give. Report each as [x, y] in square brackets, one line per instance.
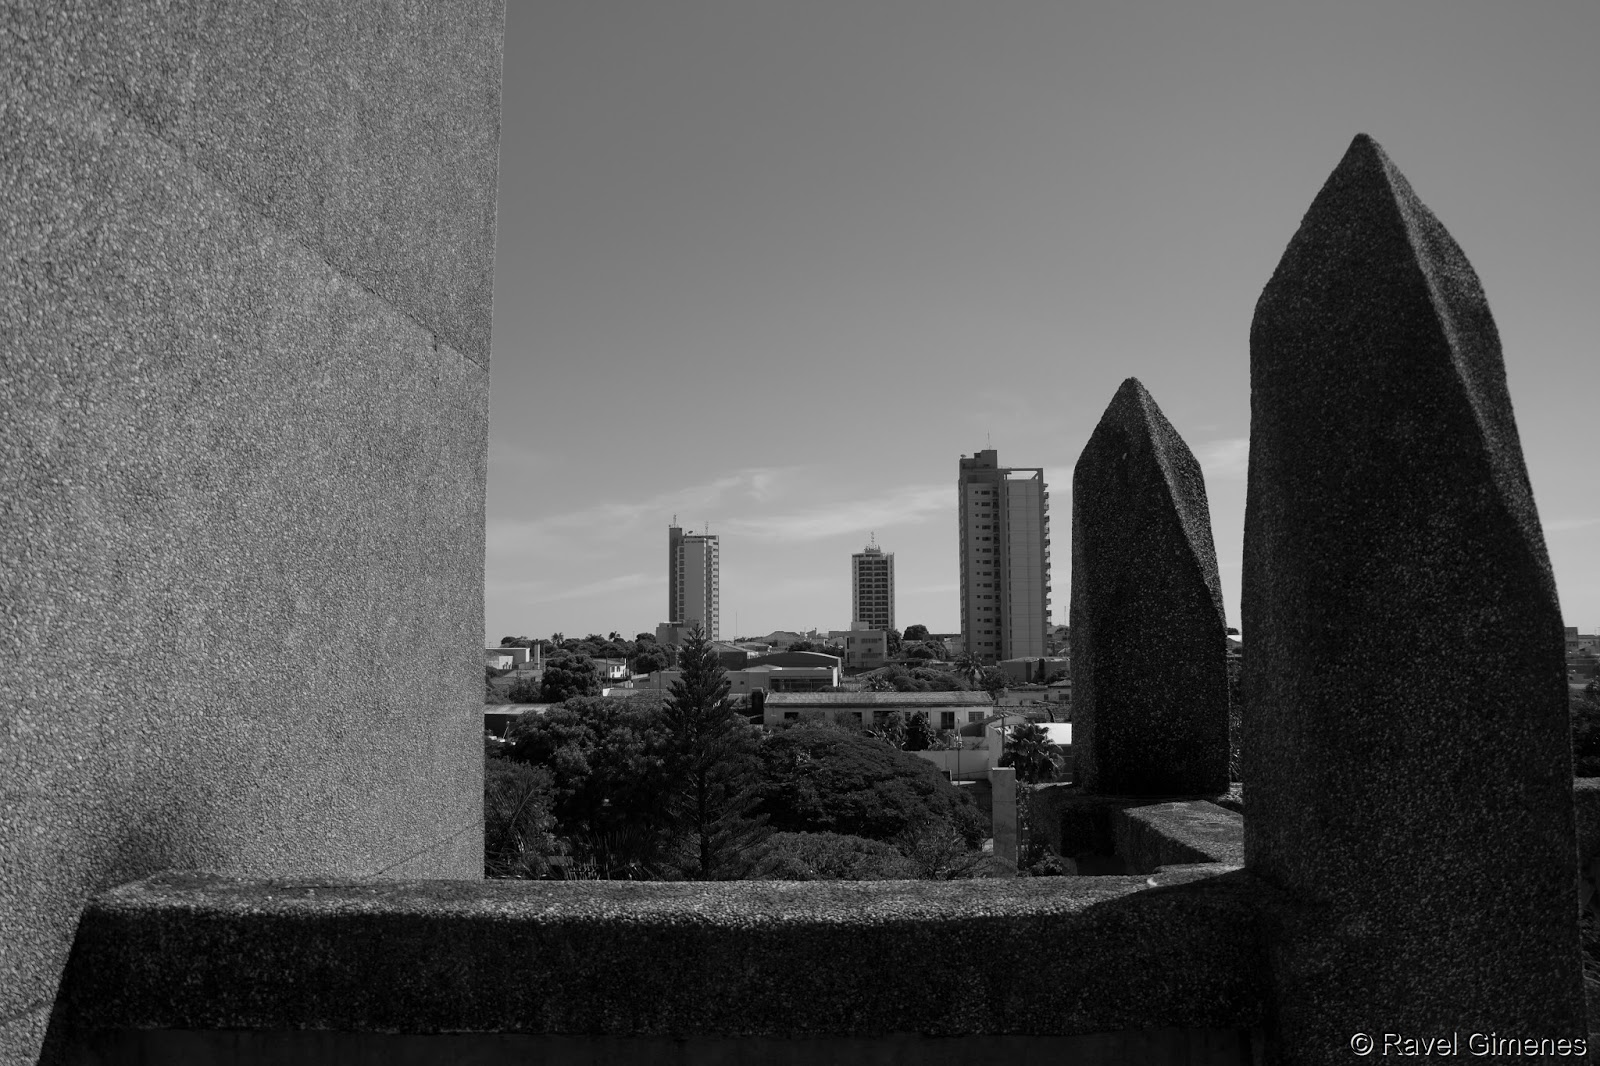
[856, 244]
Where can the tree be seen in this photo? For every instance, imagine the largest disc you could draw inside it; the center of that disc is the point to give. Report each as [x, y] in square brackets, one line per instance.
[566, 676]
[893, 638]
[802, 645]
[517, 642]
[711, 756]
[918, 632]
[518, 824]
[647, 658]
[819, 778]
[526, 690]
[1029, 750]
[969, 668]
[609, 784]
[994, 683]
[919, 734]
[892, 730]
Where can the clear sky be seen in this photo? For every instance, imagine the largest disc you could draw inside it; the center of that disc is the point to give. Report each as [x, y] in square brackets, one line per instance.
[775, 266]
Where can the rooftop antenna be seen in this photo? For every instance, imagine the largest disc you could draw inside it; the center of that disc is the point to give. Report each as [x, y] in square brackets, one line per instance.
[987, 443]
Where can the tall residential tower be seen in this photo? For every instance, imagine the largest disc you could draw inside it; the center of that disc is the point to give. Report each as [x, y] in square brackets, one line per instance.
[1005, 558]
[872, 588]
[692, 579]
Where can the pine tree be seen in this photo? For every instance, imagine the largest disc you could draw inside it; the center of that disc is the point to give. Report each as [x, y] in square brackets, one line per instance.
[712, 758]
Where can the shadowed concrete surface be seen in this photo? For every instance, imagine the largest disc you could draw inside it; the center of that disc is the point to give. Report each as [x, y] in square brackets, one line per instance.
[1037, 956]
[1150, 1047]
[246, 262]
[1406, 741]
[1149, 639]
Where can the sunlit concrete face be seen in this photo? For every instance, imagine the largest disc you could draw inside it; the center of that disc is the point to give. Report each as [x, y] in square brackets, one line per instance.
[245, 413]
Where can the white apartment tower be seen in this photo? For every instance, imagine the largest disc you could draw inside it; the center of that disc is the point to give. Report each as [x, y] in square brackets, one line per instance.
[692, 579]
[1005, 558]
[872, 588]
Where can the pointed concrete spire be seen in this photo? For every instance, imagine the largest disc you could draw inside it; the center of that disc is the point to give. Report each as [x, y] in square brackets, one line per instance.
[1407, 759]
[1149, 639]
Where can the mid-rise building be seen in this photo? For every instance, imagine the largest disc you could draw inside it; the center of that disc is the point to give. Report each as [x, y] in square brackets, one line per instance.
[1005, 558]
[872, 588]
[863, 648]
[693, 562]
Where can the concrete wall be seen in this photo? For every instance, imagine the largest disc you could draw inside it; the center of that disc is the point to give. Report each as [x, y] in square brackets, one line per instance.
[247, 259]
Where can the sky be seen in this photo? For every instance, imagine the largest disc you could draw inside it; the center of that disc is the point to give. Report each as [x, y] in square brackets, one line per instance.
[774, 267]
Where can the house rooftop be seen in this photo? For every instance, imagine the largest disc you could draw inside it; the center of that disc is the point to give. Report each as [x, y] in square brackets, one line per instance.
[879, 699]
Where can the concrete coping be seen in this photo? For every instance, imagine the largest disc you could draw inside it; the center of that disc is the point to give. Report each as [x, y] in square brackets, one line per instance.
[1071, 955]
[1167, 834]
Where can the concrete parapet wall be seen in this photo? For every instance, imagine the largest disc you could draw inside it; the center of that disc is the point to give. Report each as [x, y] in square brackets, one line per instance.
[1037, 956]
[1172, 834]
[248, 260]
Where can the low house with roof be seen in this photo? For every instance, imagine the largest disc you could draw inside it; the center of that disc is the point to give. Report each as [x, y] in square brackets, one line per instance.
[764, 677]
[945, 710]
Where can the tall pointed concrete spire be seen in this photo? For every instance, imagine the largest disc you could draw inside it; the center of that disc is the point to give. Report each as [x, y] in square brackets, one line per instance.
[1406, 752]
[1149, 640]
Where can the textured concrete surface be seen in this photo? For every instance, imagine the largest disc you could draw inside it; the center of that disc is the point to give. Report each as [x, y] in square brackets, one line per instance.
[1149, 637]
[1046, 956]
[368, 132]
[245, 263]
[1176, 834]
[1152, 1047]
[1406, 737]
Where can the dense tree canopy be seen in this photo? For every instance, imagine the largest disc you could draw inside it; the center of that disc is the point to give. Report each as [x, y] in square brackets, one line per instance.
[566, 676]
[647, 658]
[819, 778]
[917, 632]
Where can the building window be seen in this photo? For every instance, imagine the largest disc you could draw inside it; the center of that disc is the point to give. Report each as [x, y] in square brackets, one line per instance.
[947, 719]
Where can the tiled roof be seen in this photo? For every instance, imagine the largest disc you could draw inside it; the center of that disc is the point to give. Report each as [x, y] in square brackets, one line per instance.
[878, 699]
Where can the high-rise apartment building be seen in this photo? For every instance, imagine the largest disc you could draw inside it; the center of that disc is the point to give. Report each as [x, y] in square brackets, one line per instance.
[1005, 558]
[693, 561]
[872, 588]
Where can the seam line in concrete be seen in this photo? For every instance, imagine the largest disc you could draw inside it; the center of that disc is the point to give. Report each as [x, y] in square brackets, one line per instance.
[440, 842]
[246, 207]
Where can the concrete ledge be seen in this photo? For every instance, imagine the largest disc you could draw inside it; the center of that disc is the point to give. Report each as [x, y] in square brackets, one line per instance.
[1156, 1047]
[1075, 821]
[1036, 956]
[1169, 834]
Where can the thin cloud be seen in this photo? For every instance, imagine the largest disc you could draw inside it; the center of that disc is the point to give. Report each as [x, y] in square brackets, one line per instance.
[1225, 460]
[616, 520]
[606, 586]
[904, 506]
